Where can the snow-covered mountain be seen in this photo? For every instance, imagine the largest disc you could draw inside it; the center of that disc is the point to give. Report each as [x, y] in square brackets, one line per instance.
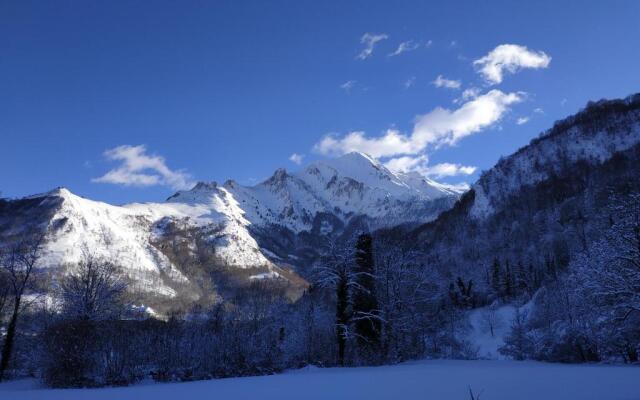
[236, 223]
[290, 213]
[351, 185]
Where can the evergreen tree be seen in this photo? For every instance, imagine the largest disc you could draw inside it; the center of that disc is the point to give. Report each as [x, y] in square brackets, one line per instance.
[551, 268]
[518, 344]
[365, 303]
[521, 281]
[495, 277]
[507, 282]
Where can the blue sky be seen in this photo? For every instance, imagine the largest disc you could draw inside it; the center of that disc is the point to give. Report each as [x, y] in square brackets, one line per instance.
[229, 89]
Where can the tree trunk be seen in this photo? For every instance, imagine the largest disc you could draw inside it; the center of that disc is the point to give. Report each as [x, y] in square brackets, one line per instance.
[341, 318]
[632, 355]
[9, 339]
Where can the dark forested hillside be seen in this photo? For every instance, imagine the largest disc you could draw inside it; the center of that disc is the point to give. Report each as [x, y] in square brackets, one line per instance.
[544, 226]
[547, 202]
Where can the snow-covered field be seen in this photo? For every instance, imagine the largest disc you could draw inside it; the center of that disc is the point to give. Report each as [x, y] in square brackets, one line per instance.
[424, 380]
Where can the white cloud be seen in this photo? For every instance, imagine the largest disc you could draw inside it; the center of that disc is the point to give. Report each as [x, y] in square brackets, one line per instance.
[296, 158]
[437, 128]
[409, 82]
[444, 170]
[470, 93]
[538, 110]
[443, 126]
[407, 163]
[441, 81]
[369, 40]
[140, 169]
[522, 120]
[405, 47]
[467, 94]
[420, 164]
[509, 58]
[391, 143]
[347, 86]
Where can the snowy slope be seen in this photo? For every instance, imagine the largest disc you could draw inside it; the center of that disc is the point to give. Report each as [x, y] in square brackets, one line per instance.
[592, 136]
[80, 224]
[436, 379]
[480, 335]
[347, 187]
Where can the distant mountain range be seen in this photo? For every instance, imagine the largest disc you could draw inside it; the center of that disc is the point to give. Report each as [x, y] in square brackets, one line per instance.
[246, 230]
[202, 244]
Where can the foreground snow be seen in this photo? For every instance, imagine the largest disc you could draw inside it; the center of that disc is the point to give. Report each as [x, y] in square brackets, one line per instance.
[438, 380]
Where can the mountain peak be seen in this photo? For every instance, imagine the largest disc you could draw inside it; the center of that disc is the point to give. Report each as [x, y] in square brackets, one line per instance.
[279, 176]
[359, 156]
[205, 186]
[353, 161]
[60, 191]
[355, 165]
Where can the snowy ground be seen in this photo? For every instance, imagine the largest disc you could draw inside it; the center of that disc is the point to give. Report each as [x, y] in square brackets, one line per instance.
[480, 334]
[424, 380]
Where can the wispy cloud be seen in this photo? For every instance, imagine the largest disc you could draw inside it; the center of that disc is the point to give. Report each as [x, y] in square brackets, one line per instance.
[369, 40]
[404, 47]
[296, 158]
[407, 163]
[468, 94]
[437, 128]
[509, 58]
[421, 165]
[409, 82]
[137, 168]
[522, 120]
[442, 82]
[347, 86]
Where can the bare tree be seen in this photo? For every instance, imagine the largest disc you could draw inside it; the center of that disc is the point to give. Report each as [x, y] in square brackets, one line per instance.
[17, 263]
[334, 271]
[606, 279]
[403, 289]
[491, 320]
[93, 290]
[4, 291]
[609, 273]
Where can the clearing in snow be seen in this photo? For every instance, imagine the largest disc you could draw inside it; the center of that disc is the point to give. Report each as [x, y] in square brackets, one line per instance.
[424, 380]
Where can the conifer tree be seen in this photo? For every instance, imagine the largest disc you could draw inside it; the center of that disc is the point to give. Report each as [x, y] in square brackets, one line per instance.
[507, 280]
[495, 277]
[365, 303]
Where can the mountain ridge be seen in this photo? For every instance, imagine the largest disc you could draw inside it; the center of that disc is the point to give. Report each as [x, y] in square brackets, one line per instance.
[230, 222]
